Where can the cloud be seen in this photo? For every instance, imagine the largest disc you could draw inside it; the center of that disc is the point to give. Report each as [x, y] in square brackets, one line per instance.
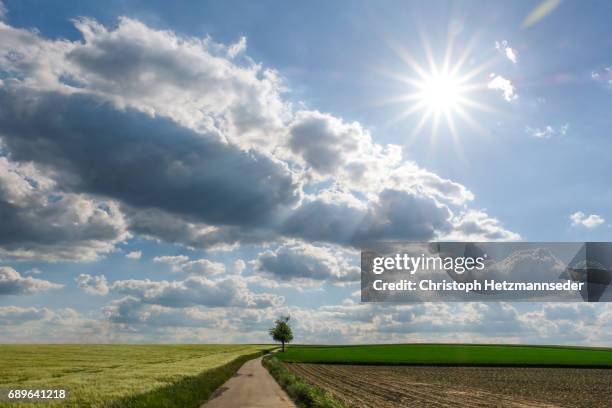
[547, 131]
[171, 259]
[131, 311]
[12, 283]
[590, 221]
[476, 225]
[504, 48]
[37, 325]
[239, 266]
[138, 159]
[237, 48]
[196, 290]
[188, 144]
[182, 263]
[39, 221]
[307, 262]
[603, 76]
[94, 285]
[498, 82]
[134, 255]
[3, 11]
[10, 315]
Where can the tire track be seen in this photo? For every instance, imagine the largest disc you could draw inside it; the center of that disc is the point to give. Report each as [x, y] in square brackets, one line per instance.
[376, 386]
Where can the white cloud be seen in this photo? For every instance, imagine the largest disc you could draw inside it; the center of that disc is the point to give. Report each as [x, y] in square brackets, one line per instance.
[12, 283]
[182, 263]
[541, 133]
[197, 290]
[504, 48]
[237, 48]
[498, 82]
[603, 76]
[239, 266]
[171, 259]
[134, 255]
[590, 221]
[308, 263]
[94, 285]
[17, 315]
[547, 131]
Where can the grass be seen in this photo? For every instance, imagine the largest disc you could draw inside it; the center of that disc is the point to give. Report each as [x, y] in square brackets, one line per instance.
[451, 354]
[126, 376]
[301, 392]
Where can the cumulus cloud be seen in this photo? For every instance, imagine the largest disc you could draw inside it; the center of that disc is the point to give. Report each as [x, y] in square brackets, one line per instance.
[39, 221]
[182, 263]
[498, 82]
[303, 261]
[131, 311]
[12, 283]
[196, 290]
[16, 315]
[134, 255]
[94, 285]
[474, 225]
[587, 221]
[504, 48]
[37, 325]
[196, 146]
[138, 159]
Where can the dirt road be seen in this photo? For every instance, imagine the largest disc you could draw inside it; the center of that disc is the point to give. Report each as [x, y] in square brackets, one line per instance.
[251, 387]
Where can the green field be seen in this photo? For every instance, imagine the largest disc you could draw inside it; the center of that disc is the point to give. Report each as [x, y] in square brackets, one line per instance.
[451, 354]
[123, 375]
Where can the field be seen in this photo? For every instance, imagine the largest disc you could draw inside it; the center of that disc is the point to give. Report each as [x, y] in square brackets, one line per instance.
[451, 354]
[442, 375]
[122, 375]
[420, 386]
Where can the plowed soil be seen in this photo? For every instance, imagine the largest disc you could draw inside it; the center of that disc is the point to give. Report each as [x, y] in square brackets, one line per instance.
[406, 386]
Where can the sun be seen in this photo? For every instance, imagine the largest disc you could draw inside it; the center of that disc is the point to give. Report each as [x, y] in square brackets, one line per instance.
[440, 93]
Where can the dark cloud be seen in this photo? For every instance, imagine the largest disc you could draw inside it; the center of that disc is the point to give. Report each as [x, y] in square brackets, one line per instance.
[41, 222]
[400, 215]
[143, 161]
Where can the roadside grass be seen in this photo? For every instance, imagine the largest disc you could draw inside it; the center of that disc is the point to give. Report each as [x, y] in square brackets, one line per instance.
[451, 354]
[123, 376]
[301, 392]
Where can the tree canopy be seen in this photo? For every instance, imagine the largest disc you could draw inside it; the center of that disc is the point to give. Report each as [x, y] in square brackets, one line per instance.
[282, 331]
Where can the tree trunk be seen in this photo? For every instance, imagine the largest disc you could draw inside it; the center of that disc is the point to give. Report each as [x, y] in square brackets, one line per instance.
[283, 346]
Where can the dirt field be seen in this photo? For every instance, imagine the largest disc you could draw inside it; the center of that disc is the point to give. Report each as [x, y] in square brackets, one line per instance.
[388, 386]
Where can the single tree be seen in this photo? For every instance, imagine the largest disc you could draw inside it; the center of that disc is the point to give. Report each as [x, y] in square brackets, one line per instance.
[282, 331]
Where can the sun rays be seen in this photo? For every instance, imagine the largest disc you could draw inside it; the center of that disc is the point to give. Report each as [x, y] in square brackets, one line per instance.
[441, 93]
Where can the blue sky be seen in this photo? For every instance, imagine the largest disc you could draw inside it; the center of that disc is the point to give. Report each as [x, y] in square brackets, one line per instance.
[258, 144]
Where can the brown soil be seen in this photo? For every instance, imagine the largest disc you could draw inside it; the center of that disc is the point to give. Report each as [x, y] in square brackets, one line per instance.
[391, 387]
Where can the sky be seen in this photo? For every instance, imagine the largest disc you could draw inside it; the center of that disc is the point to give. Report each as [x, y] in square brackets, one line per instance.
[188, 171]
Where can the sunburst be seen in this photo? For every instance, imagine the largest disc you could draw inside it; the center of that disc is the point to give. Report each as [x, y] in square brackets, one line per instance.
[442, 92]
